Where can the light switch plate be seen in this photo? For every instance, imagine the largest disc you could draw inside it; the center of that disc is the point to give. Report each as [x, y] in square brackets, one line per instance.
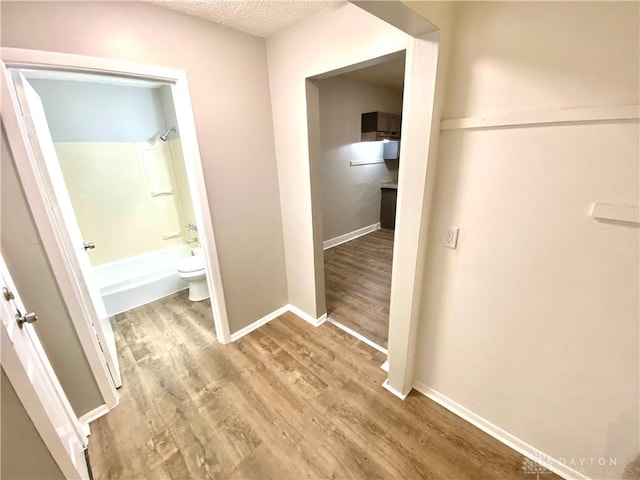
[450, 239]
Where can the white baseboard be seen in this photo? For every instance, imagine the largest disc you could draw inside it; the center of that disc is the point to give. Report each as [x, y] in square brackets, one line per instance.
[332, 242]
[388, 387]
[499, 434]
[92, 415]
[258, 323]
[385, 366]
[316, 322]
[486, 426]
[358, 336]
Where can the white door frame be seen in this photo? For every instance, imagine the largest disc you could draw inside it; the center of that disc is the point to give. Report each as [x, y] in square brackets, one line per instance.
[39, 390]
[42, 203]
[420, 130]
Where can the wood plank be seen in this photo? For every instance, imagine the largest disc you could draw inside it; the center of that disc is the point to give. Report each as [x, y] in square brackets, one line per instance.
[358, 284]
[286, 401]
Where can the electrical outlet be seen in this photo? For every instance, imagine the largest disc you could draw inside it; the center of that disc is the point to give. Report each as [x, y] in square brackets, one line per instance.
[451, 238]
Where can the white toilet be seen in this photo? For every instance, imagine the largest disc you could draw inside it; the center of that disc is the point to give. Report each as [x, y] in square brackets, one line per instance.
[191, 269]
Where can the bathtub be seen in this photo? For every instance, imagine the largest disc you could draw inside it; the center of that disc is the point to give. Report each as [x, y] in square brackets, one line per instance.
[135, 281]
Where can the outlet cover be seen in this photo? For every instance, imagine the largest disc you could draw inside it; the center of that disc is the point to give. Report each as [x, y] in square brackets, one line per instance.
[451, 237]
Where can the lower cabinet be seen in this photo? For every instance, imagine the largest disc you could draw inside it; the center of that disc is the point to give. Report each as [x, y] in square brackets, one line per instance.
[388, 200]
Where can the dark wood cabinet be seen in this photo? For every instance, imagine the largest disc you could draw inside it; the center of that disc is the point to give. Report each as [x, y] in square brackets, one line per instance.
[379, 125]
[388, 199]
[394, 122]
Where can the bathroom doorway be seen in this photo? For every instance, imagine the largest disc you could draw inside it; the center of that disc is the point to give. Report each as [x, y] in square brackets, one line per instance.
[126, 180]
[118, 164]
[66, 177]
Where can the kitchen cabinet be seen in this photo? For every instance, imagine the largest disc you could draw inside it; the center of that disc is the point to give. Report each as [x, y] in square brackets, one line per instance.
[377, 126]
[394, 122]
[391, 150]
[388, 200]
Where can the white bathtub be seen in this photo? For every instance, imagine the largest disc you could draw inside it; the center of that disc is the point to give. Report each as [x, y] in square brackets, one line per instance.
[135, 281]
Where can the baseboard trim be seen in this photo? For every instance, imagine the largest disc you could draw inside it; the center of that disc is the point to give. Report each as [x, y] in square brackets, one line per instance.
[332, 242]
[92, 415]
[258, 323]
[395, 392]
[353, 333]
[499, 434]
[316, 322]
[385, 366]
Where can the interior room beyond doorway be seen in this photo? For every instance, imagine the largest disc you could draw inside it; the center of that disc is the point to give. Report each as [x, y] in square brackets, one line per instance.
[359, 119]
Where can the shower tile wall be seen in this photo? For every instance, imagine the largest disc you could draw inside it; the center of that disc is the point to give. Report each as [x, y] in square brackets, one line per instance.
[184, 200]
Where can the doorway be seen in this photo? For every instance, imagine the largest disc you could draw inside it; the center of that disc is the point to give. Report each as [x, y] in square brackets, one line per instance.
[118, 172]
[356, 183]
[37, 412]
[36, 156]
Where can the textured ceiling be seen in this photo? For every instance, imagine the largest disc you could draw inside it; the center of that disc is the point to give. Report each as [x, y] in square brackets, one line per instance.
[257, 17]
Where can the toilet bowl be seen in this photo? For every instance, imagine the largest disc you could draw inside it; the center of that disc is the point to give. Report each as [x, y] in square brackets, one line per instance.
[191, 270]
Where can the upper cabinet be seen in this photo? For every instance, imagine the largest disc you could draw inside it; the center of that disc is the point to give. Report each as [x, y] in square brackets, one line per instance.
[380, 126]
[394, 122]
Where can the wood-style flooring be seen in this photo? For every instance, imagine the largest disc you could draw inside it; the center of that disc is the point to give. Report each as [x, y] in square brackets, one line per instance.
[286, 401]
[358, 284]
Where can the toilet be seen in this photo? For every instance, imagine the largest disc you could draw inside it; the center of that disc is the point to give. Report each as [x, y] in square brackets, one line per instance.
[191, 270]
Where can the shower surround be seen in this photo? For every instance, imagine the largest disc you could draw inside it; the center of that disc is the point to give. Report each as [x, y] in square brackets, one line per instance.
[122, 162]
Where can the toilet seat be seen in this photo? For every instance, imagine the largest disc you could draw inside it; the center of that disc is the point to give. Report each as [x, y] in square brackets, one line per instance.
[191, 265]
[192, 270]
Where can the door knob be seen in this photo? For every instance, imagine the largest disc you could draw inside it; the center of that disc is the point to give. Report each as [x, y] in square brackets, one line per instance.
[89, 246]
[26, 318]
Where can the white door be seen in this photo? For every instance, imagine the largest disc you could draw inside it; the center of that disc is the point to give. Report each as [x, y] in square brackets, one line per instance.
[30, 373]
[42, 143]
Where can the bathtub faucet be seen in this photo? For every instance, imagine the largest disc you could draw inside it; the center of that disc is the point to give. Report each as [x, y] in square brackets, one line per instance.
[192, 226]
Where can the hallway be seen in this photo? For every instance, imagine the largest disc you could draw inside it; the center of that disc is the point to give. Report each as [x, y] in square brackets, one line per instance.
[286, 401]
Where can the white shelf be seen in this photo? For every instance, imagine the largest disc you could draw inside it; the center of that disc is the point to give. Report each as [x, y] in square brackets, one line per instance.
[619, 213]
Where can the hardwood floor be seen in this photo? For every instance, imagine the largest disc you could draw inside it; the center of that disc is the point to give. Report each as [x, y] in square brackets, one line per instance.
[358, 284]
[286, 401]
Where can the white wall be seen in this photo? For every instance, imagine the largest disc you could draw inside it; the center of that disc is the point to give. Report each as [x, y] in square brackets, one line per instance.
[532, 323]
[229, 85]
[351, 193]
[341, 36]
[98, 112]
[558, 54]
